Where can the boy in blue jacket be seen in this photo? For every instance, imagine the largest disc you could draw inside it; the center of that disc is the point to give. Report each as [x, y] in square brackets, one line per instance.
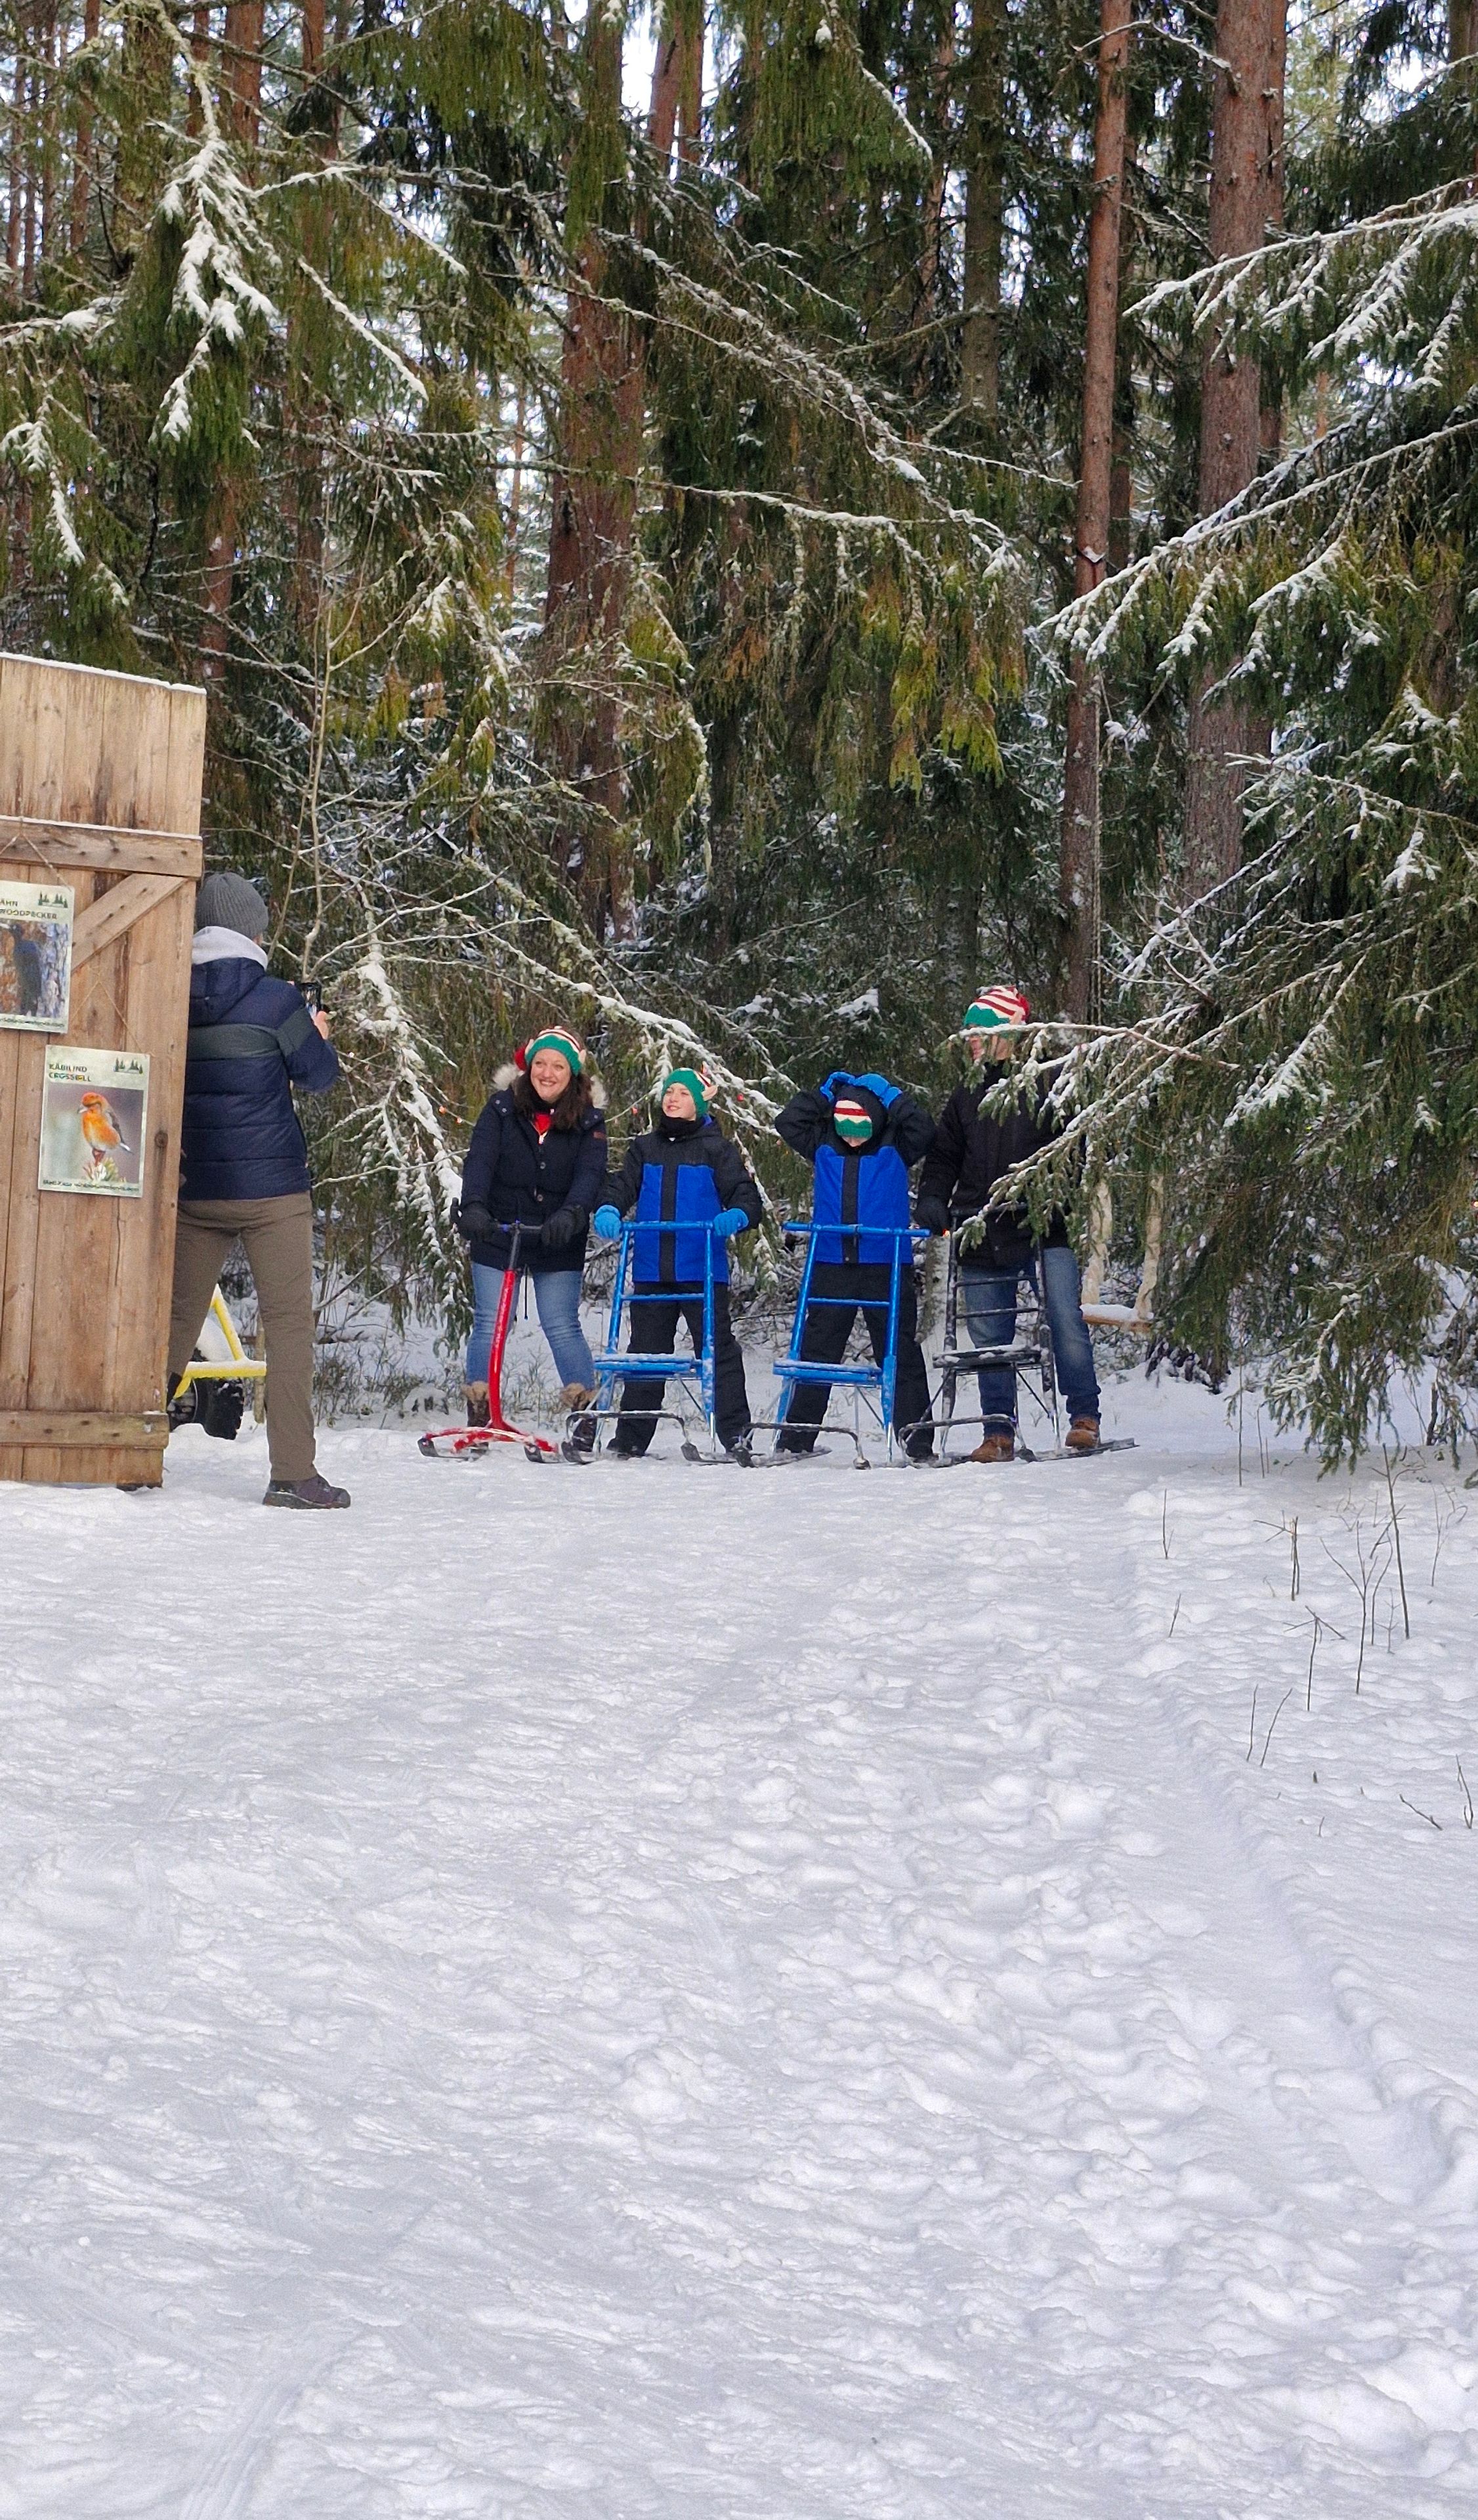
[863, 1135]
[244, 1166]
[684, 1170]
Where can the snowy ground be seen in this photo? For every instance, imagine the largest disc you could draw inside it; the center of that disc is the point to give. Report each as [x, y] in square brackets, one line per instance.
[663, 1992]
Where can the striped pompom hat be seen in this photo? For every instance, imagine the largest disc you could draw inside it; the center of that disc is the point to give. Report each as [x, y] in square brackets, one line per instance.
[999, 1009]
[698, 1083]
[558, 1037]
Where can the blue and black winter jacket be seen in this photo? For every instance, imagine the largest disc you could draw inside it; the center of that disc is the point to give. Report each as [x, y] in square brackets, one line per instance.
[866, 1185]
[681, 1171]
[251, 1040]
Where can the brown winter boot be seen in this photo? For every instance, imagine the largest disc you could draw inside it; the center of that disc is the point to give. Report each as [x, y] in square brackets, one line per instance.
[582, 1430]
[995, 1448]
[1083, 1435]
[476, 1396]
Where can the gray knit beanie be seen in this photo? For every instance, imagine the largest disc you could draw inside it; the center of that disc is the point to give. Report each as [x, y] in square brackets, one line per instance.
[230, 901]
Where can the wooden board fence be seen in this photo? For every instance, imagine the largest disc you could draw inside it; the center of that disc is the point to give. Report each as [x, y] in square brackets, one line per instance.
[100, 789]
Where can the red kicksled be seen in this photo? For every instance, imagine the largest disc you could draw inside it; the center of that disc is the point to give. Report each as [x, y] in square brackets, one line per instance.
[450, 1443]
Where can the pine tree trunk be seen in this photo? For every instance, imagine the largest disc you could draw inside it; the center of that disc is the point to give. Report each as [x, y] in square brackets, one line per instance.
[82, 182]
[1078, 865]
[243, 72]
[984, 160]
[932, 113]
[241, 100]
[691, 101]
[1245, 152]
[15, 211]
[308, 416]
[590, 545]
[668, 72]
[146, 77]
[1462, 30]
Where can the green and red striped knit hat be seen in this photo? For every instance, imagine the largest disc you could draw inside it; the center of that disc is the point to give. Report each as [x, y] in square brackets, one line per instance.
[570, 1048]
[852, 1120]
[698, 1083]
[1002, 1008]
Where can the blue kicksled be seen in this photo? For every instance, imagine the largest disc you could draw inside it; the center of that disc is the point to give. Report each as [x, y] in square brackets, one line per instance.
[872, 1383]
[693, 1374]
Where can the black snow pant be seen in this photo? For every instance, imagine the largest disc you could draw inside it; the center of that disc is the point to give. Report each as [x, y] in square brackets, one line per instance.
[864, 1287]
[654, 1332]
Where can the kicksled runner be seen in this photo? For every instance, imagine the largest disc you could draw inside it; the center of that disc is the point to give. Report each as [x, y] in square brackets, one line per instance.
[470, 1442]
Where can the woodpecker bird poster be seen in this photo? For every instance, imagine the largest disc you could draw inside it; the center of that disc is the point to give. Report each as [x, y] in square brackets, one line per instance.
[35, 956]
[94, 1114]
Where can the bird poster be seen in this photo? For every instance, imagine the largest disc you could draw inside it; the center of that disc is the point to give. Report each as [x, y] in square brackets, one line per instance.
[94, 1108]
[35, 956]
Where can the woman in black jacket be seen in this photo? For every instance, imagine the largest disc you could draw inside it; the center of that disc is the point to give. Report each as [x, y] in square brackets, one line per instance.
[537, 1159]
[974, 1150]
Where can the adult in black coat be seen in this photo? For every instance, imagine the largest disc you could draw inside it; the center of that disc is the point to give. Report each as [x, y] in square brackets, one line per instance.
[974, 1150]
[537, 1159]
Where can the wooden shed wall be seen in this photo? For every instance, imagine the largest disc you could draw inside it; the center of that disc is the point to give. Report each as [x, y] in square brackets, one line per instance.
[100, 789]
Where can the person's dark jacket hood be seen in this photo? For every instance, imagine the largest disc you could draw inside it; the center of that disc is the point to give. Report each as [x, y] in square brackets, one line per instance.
[241, 1138]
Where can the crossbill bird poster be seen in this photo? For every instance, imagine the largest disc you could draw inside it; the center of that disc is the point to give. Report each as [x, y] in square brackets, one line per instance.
[35, 956]
[94, 1111]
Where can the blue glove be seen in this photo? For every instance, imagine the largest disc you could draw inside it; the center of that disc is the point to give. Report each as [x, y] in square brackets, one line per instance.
[608, 1224]
[730, 1221]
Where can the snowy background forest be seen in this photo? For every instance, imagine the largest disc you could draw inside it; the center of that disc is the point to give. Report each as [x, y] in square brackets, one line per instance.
[637, 1992]
[740, 526]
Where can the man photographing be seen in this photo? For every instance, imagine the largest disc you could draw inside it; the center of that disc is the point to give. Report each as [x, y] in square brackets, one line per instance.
[245, 1167]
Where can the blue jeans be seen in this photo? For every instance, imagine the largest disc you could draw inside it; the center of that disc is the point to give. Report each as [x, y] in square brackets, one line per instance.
[556, 1293]
[990, 1314]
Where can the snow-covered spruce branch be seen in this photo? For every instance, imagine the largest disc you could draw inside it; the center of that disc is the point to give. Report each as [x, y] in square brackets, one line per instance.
[426, 1182]
[1096, 622]
[814, 379]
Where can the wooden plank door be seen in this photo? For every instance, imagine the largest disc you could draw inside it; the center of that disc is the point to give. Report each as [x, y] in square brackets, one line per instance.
[100, 789]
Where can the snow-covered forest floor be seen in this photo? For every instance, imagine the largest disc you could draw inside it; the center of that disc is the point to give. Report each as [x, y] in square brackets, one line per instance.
[660, 1991]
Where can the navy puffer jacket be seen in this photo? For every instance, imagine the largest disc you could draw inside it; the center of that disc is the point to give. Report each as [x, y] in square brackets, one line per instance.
[242, 1138]
[520, 1175]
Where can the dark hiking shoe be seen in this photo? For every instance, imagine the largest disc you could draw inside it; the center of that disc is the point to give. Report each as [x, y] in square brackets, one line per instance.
[1083, 1436]
[995, 1448]
[476, 1396]
[306, 1495]
[582, 1435]
[742, 1447]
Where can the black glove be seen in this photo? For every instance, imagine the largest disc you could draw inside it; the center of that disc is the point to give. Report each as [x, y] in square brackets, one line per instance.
[931, 1215]
[473, 1222]
[562, 1227]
